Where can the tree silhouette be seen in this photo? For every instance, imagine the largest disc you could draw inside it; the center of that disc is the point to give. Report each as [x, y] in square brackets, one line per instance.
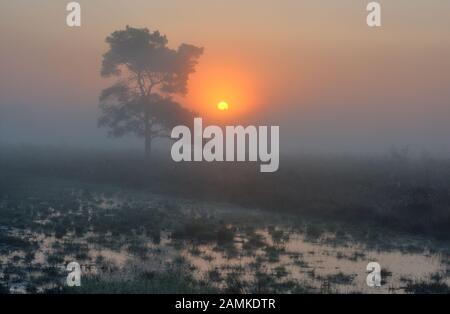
[148, 75]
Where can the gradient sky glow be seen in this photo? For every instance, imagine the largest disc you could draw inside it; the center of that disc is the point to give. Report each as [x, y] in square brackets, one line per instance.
[313, 67]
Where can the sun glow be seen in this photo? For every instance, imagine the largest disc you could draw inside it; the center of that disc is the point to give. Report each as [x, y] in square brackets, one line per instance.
[223, 105]
[223, 92]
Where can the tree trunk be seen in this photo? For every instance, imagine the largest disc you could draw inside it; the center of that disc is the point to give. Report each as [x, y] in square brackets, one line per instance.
[148, 146]
[147, 134]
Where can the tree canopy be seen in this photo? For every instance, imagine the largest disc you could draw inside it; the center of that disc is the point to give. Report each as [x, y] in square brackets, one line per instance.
[148, 74]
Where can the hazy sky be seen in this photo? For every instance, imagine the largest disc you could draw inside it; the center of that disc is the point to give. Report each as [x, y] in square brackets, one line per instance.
[313, 67]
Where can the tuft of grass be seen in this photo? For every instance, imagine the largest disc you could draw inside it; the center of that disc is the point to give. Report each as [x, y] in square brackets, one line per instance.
[423, 287]
[170, 281]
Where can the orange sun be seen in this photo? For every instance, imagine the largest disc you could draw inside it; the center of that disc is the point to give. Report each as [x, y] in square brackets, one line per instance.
[223, 105]
[221, 92]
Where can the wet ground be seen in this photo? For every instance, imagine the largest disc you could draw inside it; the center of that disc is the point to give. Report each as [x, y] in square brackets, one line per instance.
[116, 235]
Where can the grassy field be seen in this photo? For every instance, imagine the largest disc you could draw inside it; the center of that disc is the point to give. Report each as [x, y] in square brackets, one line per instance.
[162, 227]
